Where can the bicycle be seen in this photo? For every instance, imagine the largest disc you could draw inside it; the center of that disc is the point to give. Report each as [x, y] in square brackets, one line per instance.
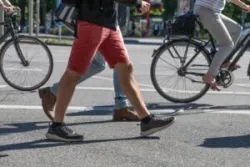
[26, 66]
[191, 67]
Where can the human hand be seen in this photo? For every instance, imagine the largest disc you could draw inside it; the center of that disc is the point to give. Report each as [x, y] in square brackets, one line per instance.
[143, 8]
[8, 9]
[247, 9]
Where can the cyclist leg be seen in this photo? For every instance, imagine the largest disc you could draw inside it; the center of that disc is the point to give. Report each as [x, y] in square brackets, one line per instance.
[233, 27]
[235, 30]
[213, 22]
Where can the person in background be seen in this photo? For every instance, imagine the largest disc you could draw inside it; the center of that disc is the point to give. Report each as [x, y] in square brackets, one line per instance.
[6, 6]
[223, 29]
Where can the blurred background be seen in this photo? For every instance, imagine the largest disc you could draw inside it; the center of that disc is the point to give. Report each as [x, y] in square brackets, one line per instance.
[36, 17]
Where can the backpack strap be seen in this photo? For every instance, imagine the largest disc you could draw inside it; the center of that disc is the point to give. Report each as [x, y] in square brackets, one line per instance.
[91, 3]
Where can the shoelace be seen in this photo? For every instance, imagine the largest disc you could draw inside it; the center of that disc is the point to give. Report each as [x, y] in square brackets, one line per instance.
[67, 129]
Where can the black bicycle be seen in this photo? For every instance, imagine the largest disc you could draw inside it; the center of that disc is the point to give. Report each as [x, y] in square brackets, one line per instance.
[26, 63]
[179, 64]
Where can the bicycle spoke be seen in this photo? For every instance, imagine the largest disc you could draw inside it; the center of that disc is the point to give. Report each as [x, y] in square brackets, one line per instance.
[36, 73]
[185, 84]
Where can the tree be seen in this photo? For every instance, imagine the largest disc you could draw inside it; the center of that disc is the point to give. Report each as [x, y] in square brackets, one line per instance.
[170, 7]
[233, 11]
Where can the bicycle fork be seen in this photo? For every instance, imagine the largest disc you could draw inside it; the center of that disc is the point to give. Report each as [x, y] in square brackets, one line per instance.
[15, 38]
[248, 71]
[24, 62]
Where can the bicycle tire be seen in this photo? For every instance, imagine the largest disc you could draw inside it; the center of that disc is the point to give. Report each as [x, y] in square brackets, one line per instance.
[248, 70]
[8, 44]
[156, 57]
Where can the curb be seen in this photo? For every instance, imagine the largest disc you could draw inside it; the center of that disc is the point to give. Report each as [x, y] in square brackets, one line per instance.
[141, 42]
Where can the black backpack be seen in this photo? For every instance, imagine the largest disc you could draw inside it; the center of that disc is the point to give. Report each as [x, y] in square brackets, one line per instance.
[122, 10]
[69, 2]
[122, 15]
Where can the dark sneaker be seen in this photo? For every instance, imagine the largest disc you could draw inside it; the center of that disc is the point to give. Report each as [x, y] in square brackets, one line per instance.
[48, 101]
[63, 133]
[156, 124]
[125, 114]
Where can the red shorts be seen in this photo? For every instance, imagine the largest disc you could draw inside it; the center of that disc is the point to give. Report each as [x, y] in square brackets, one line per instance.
[90, 38]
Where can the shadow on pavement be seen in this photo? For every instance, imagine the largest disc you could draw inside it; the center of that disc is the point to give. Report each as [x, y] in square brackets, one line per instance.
[100, 110]
[228, 142]
[97, 110]
[43, 143]
[3, 155]
[189, 108]
[194, 106]
[29, 126]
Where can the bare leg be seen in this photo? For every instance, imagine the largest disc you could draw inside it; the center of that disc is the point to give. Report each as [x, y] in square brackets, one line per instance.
[131, 89]
[65, 93]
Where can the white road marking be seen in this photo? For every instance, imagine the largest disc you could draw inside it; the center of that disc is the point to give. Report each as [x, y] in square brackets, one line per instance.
[152, 90]
[157, 111]
[82, 108]
[103, 78]
[108, 89]
[109, 79]
[228, 111]
[3, 86]
[27, 107]
[180, 91]
[24, 69]
[243, 85]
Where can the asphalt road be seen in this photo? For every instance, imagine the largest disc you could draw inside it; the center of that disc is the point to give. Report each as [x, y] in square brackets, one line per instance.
[213, 131]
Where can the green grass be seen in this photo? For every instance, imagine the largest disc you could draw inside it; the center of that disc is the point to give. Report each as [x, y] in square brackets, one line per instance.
[58, 42]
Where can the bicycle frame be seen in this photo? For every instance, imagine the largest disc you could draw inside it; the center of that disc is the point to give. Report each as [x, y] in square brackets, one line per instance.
[6, 34]
[11, 31]
[241, 47]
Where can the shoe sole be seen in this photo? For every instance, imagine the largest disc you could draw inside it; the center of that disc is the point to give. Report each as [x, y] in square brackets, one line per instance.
[46, 112]
[154, 130]
[57, 138]
[116, 119]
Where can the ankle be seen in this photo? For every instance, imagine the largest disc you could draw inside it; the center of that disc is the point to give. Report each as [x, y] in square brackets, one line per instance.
[56, 124]
[146, 119]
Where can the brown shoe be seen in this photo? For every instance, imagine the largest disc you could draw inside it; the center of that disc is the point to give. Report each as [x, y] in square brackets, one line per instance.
[48, 101]
[125, 114]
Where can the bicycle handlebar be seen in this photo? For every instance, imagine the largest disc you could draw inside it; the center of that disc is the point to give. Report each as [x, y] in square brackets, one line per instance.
[16, 11]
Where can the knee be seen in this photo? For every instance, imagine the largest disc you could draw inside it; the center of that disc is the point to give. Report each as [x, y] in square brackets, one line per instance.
[239, 28]
[129, 69]
[229, 44]
[101, 67]
[72, 76]
[125, 72]
[98, 66]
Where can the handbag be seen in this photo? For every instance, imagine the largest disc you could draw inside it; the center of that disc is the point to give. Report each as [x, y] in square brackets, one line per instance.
[69, 2]
[183, 25]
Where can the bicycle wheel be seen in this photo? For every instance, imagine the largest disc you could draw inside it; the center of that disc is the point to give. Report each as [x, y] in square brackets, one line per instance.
[39, 65]
[169, 76]
[248, 70]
